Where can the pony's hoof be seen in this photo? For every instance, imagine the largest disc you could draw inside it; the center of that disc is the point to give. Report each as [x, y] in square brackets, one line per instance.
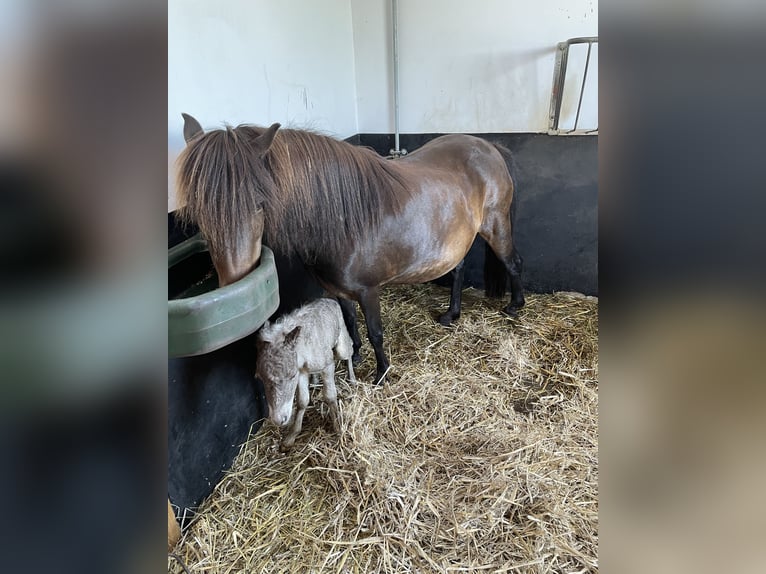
[447, 319]
[511, 310]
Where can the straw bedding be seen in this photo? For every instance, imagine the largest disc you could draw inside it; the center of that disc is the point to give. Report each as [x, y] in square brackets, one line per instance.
[480, 454]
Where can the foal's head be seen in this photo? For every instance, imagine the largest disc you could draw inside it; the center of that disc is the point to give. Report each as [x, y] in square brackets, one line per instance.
[217, 189]
[278, 369]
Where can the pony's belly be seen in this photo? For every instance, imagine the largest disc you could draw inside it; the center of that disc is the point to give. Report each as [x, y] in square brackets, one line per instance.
[387, 263]
[422, 275]
[428, 268]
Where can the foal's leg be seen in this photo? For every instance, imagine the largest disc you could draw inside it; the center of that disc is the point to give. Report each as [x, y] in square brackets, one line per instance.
[343, 352]
[303, 402]
[331, 395]
[349, 318]
[453, 312]
[351, 376]
[370, 303]
[497, 232]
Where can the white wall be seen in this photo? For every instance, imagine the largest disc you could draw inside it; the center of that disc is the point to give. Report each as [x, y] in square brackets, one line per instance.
[260, 61]
[478, 66]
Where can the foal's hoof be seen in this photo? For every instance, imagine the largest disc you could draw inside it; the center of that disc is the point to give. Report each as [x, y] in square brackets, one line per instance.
[356, 359]
[335, 418]
[447, 319]
[379, 377]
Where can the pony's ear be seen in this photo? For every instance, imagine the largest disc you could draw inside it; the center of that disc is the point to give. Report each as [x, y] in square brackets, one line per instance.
[292, 335]
[191, 127]
[263, 142]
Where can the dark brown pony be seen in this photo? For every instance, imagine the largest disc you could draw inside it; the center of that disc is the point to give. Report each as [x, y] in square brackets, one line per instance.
[356, 220]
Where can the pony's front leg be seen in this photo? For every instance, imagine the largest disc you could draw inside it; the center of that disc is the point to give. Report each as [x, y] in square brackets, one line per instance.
[371, 308]
[331, 395]
[349, 318]
[453, 312]
[303, 402]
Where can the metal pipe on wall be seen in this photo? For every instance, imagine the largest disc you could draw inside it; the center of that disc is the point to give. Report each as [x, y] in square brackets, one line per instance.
[396, 152]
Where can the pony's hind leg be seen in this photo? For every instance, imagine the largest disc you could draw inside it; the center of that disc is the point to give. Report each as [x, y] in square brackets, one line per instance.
[497, 233]
[349, 318]
[453, 312]
[517, 289]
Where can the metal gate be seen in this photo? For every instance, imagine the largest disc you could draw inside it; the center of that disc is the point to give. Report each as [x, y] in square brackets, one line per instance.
[561, 92]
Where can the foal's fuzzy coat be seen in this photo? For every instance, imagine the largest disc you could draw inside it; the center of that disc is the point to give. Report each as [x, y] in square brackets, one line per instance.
[305, 342]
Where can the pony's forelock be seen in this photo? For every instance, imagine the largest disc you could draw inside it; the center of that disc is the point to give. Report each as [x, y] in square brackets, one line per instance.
[215, 186]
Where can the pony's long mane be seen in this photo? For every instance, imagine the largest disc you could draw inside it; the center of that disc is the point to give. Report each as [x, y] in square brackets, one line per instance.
[317, 193]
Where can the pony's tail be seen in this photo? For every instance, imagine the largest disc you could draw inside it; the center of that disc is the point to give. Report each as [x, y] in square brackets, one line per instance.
[510, 163]
[495, 272]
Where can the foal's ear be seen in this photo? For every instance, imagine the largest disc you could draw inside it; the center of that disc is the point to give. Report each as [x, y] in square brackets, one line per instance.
[260, 340]
[292, 335]
[263, 142]
[191, 127]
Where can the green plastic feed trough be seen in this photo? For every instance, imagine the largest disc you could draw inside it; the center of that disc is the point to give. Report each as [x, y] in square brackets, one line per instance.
[203, 317]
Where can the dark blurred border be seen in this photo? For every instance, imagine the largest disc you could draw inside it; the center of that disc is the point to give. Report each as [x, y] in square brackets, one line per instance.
[681, 276]
[682, 156]
[83, 145]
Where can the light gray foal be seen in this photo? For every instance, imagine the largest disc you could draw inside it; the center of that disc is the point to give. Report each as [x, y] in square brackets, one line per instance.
[304, 343]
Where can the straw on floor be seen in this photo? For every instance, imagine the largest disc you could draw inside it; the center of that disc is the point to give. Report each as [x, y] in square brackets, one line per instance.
[480, 454]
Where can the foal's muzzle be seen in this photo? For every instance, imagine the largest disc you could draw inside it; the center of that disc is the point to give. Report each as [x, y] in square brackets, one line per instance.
[281, 418]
